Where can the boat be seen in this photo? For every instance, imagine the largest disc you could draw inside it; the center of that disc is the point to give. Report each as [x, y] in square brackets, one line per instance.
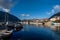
[7, 27]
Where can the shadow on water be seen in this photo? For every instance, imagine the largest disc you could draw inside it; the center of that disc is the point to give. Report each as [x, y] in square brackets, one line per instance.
[32, 32]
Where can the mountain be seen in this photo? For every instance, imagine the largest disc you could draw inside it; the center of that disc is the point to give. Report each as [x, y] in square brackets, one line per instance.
[57, 14]
[4, 16]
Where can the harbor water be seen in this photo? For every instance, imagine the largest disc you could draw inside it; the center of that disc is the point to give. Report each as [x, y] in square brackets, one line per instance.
[35, 32]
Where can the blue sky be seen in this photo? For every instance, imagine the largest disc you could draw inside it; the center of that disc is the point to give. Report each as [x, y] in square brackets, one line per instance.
[28, 9]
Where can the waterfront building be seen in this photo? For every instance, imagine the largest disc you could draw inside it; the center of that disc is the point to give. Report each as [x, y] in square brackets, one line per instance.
[34, 21]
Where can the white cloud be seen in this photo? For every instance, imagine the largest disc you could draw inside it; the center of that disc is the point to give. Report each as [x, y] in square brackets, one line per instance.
[52, 11]
[3, 9]
[6, 10]
[22, 14]
[55, 9]
[26, 15]
[48, 13]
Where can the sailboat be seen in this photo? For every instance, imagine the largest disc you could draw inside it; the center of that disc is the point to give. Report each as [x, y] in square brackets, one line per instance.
[8, 26]
[5, 32]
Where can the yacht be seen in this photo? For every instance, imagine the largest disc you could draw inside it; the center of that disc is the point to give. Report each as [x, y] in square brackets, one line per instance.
[7, 27]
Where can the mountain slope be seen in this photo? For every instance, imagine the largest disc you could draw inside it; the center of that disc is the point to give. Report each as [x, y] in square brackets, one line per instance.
[57, 14]
[10, 18]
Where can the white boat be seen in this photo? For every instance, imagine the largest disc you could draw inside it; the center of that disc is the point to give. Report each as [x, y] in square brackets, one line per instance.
[55, 24]
[7, 27]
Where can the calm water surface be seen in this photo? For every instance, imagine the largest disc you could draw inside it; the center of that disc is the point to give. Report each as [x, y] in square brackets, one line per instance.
[33, 32]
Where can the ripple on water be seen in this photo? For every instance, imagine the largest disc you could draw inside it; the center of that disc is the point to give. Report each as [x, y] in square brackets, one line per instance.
[31, 32]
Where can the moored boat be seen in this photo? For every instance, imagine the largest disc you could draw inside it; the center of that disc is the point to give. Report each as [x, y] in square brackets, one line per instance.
[8, 23]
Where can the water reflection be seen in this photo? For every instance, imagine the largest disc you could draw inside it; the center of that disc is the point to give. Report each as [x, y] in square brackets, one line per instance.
[33, 32]
[55, 28]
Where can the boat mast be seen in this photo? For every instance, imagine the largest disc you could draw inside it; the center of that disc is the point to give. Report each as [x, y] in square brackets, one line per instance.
[6, 18]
